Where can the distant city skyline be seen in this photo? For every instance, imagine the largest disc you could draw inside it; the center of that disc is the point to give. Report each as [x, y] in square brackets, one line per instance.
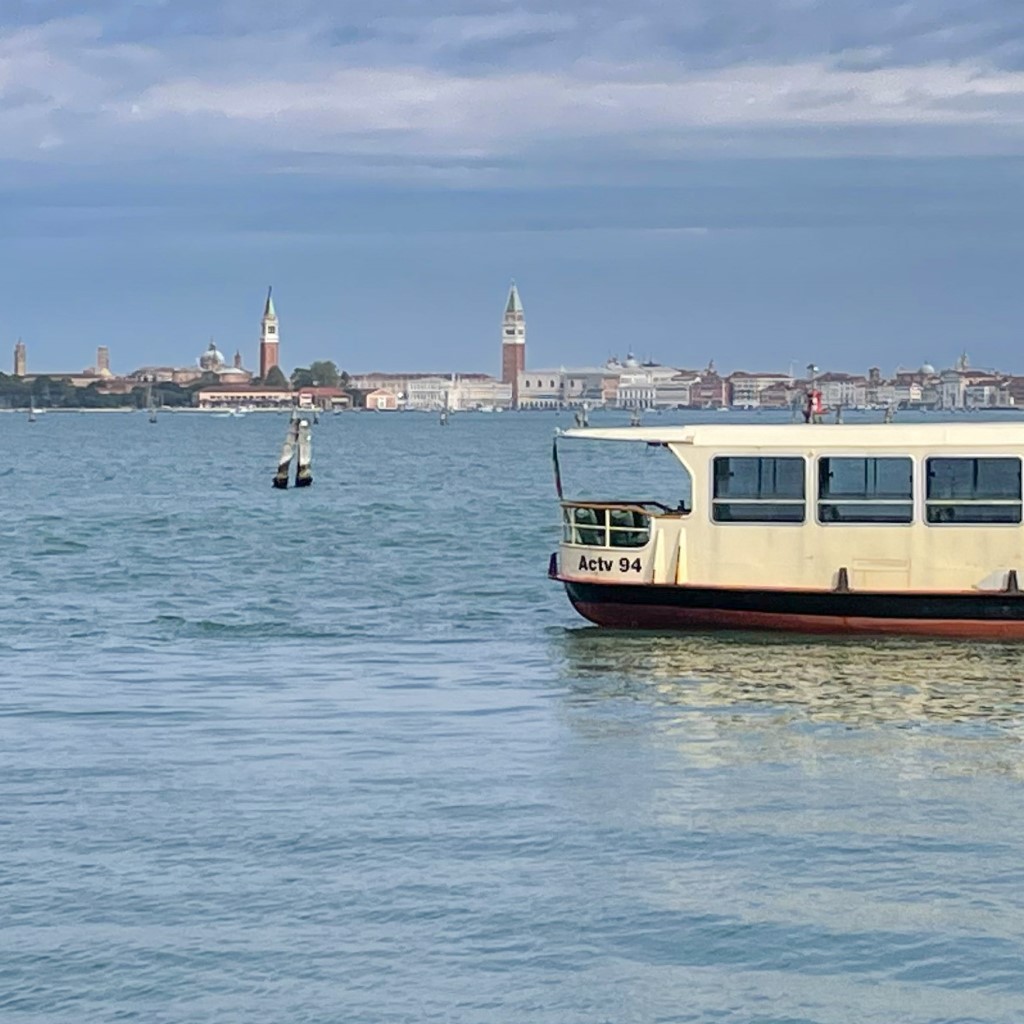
[512, 322]
[761, 183]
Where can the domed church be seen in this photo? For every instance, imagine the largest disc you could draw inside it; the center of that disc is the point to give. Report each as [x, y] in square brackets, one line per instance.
[213, 361]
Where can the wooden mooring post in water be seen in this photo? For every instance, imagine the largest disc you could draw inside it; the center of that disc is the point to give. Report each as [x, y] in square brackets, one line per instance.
[298, 445]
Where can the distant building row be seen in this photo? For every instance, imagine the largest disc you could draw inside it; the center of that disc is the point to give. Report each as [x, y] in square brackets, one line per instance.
[632, 386]
[629, 384]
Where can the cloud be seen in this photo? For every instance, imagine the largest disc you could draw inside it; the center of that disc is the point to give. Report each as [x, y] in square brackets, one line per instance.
[484, 82]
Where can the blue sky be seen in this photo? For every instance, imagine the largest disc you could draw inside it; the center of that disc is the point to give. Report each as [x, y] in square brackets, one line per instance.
[757, 182]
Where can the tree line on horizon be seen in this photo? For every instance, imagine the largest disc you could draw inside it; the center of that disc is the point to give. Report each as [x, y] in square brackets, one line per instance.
[45, 392]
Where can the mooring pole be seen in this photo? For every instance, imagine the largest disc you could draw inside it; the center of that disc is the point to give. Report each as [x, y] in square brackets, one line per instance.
[284, 463]
[303, 471]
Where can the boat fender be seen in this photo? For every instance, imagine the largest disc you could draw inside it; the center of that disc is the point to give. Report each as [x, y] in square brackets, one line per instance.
[1012, 586]
[842, 581]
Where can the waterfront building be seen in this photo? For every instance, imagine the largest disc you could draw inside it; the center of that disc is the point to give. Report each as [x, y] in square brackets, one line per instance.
[991, 391]
[180, 375]
[538, 389]
[269, 337]
[746, 388]
[474, 391]
[227, 396]
[711, 391]
[380, 400]
[393, 382]
[213, 362]
[99, 374]
[652, 386]
[781, 395]
[427, 392]
[905, 394]
[513, 343]
[320, 396]
[915, 387]
[210, 362]
[1015, 389]
[553, 389]
[848, 390]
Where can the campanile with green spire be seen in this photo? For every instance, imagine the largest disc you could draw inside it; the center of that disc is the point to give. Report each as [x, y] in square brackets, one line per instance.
[513, 343]
[269, 337]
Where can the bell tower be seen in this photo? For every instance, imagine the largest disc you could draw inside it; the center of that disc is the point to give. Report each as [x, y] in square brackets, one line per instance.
[19, 359]
[513, 343]
[269, 337]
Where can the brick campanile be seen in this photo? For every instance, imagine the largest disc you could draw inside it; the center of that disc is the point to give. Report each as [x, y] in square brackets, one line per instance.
[269, 337]
[513, 343]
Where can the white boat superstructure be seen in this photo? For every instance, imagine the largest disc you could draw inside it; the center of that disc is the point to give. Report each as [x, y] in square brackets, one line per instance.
[879, 527]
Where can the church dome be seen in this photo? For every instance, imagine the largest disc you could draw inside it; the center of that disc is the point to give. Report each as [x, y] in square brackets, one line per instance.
[631, 361]
[927, 369]
[211, 359]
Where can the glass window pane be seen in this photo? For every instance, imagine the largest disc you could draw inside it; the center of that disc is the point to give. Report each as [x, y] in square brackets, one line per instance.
[629, 528]
[997, 478]
[939, 514]
[756, 512]
[788, 478]
[746, 477]
[950, 478]
[628, 538]
[865, 512]
[974, 479]
[589, 526]
[735, 478]
[887, 478]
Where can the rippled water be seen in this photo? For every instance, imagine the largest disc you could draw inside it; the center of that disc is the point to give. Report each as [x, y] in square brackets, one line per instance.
[347, 755]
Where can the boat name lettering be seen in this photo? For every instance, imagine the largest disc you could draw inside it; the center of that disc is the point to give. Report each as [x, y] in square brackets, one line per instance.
[607, 564]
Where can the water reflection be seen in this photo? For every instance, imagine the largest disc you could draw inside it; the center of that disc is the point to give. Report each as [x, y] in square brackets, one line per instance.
[843, 680]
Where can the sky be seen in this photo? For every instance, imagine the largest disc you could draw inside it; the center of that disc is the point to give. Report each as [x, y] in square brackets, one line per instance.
[762, 183]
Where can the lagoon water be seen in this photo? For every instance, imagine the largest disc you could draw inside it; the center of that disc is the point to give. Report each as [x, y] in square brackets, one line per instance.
[345, 754]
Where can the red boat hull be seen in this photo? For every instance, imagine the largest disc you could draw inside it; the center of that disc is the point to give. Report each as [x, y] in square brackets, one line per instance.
[993, 616]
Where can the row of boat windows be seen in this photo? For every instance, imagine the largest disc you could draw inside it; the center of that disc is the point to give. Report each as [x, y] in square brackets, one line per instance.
[866, 490]
[849, 490]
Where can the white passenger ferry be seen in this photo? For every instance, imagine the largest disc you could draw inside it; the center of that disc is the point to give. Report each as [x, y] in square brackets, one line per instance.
[880, 528]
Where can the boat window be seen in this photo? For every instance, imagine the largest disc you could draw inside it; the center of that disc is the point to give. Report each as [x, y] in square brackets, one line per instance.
[854, 490]
[758, 490]
[615, 474]
[984, 490]
[605, 527]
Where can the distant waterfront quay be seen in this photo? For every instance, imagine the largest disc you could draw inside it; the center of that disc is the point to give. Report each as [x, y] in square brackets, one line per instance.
[347, 754]
[213, 382]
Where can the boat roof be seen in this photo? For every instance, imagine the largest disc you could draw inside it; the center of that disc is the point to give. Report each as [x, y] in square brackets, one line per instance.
[1008, 434]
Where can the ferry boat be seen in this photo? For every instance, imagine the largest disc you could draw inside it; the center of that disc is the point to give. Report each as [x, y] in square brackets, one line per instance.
[877, 528]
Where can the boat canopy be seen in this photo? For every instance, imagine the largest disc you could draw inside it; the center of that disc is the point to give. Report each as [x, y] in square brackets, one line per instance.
[1006, 435]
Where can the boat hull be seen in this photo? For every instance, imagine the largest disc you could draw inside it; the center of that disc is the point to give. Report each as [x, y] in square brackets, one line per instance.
[996, 616]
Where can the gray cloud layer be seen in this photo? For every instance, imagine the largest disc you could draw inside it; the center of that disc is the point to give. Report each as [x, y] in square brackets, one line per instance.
[478, 86]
